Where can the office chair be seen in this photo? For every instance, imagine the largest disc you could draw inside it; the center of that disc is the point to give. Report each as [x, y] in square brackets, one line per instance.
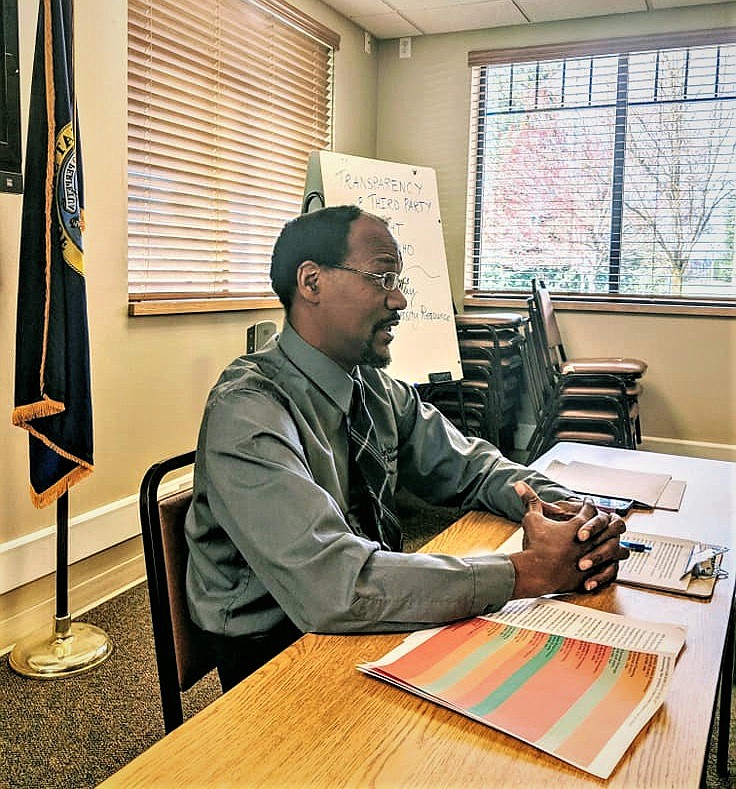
[614, 365]
[181, 656]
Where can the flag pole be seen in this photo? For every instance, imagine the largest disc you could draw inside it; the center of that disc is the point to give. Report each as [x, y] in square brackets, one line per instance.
[52, 382]
[70, 647]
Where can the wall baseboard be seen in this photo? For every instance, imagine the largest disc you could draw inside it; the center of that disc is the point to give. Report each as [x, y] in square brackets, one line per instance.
[34, 555]
[667, 446]
[105, 559]
[32, 607]
[695, 449]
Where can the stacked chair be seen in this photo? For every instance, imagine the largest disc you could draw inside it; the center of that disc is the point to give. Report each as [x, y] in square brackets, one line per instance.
[591, 400]
[486, 402]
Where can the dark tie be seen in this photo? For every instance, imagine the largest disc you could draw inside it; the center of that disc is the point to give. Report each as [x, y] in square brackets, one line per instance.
[371, 499]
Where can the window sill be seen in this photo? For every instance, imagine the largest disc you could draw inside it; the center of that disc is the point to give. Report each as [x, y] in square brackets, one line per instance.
[603, 304]
[184, 306]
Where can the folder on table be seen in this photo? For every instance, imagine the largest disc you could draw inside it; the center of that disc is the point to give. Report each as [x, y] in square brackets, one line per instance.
[644, 488]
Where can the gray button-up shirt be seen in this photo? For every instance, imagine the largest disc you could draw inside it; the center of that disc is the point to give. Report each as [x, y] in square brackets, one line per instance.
[267, 529]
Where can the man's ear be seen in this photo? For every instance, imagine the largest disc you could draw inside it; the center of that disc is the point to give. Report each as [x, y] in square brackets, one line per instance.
[307, 280]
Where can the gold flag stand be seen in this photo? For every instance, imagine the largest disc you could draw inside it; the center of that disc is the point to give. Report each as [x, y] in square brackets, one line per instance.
[71, 647]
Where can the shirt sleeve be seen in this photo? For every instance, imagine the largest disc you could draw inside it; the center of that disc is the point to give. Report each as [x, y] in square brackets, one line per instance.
[443, 466]
[293, 535]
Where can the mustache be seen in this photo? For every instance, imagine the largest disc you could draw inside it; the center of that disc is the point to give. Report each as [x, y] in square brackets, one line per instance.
[393, 318]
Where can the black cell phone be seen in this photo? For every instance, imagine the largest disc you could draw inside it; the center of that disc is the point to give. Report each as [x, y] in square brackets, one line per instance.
[610, 504]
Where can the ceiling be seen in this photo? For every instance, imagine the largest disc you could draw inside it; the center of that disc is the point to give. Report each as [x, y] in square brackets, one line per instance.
[405, 18]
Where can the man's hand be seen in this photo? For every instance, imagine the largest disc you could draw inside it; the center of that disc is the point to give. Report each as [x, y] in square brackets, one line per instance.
[568, 546]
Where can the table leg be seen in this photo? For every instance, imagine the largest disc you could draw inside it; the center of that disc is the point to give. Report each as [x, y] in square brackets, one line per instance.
[724, 716]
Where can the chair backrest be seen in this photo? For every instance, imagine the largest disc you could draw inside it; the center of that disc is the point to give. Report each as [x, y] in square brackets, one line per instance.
[181, 657]
[549, 325]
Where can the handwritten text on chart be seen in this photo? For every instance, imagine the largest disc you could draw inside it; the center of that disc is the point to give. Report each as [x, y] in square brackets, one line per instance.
[418, 311]
[381, 183]
[374, 202]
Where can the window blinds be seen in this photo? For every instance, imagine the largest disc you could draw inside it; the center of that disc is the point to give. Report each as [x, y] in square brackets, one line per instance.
[605, 169]
[226, 99]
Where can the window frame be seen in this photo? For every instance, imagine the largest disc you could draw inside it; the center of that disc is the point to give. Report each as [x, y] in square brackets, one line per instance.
[475, 297]
[153, 302]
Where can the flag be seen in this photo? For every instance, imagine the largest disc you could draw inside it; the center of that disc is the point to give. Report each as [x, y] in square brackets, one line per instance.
[52, 372]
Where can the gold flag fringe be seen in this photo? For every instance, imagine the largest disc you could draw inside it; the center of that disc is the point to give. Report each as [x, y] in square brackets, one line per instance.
[22, 417]
[46, 407]
[50, 495]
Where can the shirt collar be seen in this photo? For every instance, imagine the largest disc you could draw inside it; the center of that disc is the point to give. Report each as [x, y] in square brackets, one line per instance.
[322, 371]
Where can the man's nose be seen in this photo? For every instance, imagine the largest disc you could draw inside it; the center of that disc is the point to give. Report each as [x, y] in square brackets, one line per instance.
[395, 300]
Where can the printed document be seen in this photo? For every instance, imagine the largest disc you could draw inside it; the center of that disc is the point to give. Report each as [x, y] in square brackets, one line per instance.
[577, 683]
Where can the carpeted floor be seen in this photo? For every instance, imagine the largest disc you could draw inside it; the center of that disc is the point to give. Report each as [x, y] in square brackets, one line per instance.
[75, 732]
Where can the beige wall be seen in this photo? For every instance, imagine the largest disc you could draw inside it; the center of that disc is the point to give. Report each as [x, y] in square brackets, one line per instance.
[150, 375]
[423, 111]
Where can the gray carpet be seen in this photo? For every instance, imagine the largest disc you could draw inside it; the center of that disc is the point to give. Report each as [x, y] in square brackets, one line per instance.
[77, 731]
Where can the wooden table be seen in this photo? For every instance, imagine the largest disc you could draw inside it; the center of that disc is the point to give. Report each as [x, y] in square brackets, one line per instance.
[310, 719]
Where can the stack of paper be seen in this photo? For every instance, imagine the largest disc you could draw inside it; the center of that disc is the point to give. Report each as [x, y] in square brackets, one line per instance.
[644, 488]
[575, 682]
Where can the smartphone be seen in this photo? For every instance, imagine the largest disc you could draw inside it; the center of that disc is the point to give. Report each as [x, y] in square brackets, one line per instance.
[610, 504]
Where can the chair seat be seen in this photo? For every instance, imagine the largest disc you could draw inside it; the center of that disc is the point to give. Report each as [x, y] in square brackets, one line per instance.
[594, 412]
[633, 390]
[586, 437]
[613, 365]
[495, 319]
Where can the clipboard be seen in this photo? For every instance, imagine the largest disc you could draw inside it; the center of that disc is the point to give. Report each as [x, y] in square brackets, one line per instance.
[666, 565]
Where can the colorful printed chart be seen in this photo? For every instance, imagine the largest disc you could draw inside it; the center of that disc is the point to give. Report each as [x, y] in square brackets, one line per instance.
[580, 700]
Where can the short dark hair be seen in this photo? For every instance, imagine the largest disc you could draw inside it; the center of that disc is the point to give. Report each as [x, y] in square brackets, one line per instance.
[321, 236]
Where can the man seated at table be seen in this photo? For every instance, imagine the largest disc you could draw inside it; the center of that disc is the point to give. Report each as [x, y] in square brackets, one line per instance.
[293, 528]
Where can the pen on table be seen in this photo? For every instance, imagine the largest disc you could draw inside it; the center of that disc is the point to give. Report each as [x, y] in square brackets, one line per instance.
[637, 547]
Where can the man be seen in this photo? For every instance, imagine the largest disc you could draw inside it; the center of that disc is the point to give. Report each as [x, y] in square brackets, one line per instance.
[289, 532]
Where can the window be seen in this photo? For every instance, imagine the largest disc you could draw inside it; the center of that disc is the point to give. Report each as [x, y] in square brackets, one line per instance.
[607, 169]
[11, 179]
[226, 99]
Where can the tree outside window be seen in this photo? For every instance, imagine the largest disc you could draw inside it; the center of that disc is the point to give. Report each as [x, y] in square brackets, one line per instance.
[612, 174]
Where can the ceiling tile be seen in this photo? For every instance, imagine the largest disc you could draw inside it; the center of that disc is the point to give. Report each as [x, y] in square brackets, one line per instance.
[353, 8]
[406, 7]
[677, 3]
[469, 16]
[397, 18]
[387, 25]
[546, 11]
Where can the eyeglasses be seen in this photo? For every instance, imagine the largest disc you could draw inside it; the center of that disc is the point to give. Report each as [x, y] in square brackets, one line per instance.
[389, 280]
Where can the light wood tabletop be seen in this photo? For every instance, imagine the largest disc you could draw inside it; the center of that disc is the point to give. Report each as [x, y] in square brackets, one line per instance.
[310, 719]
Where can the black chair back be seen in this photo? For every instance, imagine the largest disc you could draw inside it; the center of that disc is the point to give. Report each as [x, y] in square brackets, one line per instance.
[181, 656]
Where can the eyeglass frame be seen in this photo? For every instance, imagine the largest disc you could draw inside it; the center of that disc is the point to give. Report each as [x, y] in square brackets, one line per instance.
[383, 278]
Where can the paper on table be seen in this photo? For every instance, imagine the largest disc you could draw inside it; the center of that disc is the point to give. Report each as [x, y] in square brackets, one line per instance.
[660, 567]
[644, 488]
[601, 676]
[664, 566]
[671, 497]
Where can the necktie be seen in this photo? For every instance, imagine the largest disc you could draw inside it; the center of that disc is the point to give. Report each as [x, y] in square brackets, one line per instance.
[371, 498]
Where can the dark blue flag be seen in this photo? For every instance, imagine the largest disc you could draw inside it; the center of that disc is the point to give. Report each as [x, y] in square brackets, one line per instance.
[52, 375]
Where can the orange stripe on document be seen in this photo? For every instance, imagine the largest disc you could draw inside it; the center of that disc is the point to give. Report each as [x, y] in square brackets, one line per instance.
[585, 743]
[497, 669]
[444, 649]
